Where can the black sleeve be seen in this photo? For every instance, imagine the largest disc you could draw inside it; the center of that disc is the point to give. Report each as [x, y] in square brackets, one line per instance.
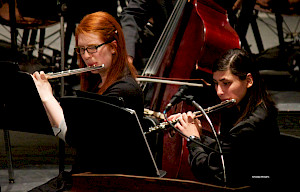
[205, 164]
[247, 151]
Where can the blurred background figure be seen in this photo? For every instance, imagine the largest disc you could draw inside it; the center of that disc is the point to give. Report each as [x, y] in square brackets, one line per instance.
[142, 22]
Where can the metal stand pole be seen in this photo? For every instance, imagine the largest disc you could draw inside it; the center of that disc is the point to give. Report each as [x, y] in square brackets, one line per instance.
[62, 82]
[9, 156]
[14, 49]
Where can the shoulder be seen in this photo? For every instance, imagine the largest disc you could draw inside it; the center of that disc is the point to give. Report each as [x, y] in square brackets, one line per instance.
[126, 87]
[263, 113]
[262, 119]
[131, 93]
[127, 83]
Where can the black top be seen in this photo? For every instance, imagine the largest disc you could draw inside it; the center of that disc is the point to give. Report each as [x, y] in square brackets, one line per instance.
[247, 148]
[130, 92]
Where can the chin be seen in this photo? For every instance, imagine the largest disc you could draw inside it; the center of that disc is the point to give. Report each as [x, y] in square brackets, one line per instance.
[95, 72]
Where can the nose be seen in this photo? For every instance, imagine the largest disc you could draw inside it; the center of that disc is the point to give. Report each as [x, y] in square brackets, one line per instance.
[219, 90]
[85, 55]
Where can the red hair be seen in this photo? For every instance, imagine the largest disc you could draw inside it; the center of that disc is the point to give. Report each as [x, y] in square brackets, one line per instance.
[108, 29]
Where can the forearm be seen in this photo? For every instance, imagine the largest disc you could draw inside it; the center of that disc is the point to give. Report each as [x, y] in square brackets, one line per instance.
[205, 163]
[54, 111]
[52, 107]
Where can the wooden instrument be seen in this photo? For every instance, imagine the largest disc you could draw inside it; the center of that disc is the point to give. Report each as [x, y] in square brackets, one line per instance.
[72, 72]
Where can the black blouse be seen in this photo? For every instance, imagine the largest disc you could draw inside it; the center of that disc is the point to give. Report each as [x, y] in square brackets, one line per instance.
[248, 149]
[130, 92]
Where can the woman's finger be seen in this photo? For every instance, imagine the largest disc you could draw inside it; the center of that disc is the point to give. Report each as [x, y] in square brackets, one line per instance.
[43, 75]
[183, 119]
[37, 75]
[174, 116]
[33, 77]
[179, 126]
[190, 117]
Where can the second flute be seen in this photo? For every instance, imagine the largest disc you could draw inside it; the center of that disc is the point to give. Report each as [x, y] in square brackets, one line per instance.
[162, 126]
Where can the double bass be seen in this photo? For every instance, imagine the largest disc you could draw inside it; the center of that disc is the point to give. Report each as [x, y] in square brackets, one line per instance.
[196, 34]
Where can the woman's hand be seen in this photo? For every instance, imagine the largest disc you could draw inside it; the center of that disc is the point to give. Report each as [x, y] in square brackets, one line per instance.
[174, 116]
[188, 124]
[43, 86]
[52, 107]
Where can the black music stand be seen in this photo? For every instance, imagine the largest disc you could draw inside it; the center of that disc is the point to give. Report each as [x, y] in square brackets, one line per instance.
[110, 136]
[118, 101]
[23, 109]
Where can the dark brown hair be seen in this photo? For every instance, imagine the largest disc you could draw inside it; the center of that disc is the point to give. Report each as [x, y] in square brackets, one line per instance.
[240, 63]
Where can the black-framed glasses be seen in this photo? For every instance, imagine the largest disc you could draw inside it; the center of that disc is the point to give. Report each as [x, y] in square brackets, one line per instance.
[89, 49]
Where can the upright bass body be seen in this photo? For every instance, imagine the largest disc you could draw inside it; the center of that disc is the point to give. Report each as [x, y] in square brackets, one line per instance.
[202, 34]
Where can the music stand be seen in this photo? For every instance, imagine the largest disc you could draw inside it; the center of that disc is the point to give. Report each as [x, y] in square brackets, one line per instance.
[23, 109]
[111, 138]
[118, 101]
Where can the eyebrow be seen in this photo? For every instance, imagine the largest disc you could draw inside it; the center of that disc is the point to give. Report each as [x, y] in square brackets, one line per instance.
[223, 79]
[88, 45]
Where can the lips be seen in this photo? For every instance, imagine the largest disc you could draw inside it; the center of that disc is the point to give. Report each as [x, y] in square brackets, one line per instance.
[224, 99]
[92, 64]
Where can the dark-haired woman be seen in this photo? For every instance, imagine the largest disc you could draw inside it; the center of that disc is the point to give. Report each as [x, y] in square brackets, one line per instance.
[249, 130]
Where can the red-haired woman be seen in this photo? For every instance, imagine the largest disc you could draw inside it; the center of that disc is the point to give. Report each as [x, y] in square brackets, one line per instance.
[99, 40]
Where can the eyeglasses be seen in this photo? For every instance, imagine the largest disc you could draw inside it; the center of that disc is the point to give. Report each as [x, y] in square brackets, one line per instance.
[89, 49]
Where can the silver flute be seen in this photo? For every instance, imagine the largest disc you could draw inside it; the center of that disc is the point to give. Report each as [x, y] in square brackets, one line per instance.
[72, 72]
[162, 126]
